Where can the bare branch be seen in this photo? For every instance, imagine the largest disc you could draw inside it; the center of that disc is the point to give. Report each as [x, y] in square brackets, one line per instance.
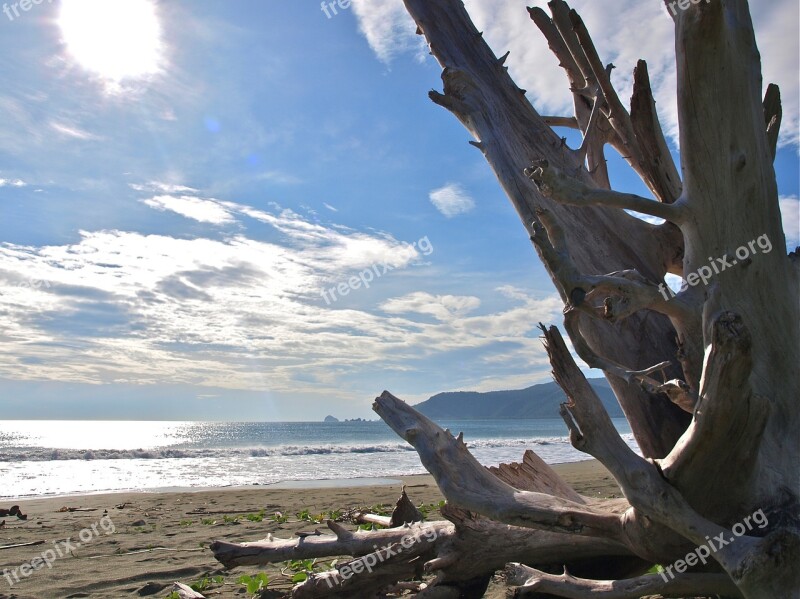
[726, 409]
[552, 183]
[561, 121]
[344, 543]
[587, 354]
[680, 394]
[629, 292]
[561, 19]
[590, 117]
[658, 168]
[531, 582]
[773, 114]
[367, 518]
[591, 132]
[592, 431]
[636, 136]
[617, 115]
[558, 46]
[676, 390]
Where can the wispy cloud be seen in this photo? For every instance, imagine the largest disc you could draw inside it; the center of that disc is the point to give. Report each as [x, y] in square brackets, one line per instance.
[451, 200]
[388, 28]
[73, 131]
[204, 211]
[159, 186]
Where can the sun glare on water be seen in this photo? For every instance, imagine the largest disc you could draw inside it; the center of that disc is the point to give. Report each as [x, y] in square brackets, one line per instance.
[119, 39]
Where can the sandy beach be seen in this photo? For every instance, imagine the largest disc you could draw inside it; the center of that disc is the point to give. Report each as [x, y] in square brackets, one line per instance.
[139, 544]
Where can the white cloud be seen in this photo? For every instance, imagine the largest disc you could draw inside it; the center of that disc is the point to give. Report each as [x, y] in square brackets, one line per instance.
[12, 183]
[790, 213]
[388, 28]
[204, 211]
[451, 200]
[441, 307]
[329, 207]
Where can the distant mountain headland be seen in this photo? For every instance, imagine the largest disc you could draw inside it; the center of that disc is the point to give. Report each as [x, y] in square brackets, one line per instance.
[538, 401]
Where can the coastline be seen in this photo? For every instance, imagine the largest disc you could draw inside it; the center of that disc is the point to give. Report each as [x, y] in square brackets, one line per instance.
[163, 537]
[289, 483]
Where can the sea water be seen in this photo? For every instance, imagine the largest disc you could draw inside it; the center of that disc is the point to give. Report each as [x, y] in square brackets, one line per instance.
[64, 457]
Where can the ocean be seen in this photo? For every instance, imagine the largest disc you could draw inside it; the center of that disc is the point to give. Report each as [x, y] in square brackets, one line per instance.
[69, 457]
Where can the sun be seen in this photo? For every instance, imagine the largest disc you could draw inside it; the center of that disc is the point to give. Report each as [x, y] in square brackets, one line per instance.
[119, 39]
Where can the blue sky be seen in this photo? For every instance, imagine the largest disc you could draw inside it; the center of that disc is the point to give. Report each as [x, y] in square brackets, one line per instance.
[166, 236]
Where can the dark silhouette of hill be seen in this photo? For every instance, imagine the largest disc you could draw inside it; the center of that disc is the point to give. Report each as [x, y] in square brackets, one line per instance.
[538, 401]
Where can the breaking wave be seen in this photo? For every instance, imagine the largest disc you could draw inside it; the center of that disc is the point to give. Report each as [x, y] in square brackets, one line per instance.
[45, 454]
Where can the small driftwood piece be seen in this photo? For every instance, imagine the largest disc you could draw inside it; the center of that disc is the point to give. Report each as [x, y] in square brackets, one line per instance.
[185, 592]
[15, 545]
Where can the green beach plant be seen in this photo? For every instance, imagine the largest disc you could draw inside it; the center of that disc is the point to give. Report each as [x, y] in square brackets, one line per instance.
[279, 518]
[254, 584]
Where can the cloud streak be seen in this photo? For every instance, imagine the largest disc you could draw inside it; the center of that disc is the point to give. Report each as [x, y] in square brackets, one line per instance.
[204, 211]
[73, 131]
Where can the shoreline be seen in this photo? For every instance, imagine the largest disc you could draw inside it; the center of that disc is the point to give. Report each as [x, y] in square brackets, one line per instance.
[289, 483]
[281, 484]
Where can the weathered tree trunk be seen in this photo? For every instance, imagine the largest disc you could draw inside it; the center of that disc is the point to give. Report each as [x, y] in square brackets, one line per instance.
[719, 430]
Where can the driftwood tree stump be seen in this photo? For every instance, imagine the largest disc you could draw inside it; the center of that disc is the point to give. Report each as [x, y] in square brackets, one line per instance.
[707, 377]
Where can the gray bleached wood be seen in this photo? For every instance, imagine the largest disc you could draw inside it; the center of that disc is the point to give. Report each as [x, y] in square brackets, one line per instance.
[530, 582]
